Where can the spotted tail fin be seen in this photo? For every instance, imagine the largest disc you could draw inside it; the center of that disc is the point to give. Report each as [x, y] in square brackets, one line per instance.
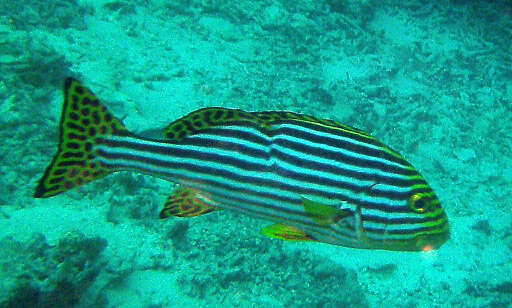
[83, 121]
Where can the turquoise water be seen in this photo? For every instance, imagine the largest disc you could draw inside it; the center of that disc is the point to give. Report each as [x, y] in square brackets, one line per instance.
[432, 79]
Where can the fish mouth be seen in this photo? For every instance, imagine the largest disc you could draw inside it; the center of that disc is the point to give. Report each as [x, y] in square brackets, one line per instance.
[435, 238]
[433, 241]
[420, 243]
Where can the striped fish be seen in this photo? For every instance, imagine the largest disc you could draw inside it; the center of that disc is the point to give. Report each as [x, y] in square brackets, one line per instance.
[317, 180]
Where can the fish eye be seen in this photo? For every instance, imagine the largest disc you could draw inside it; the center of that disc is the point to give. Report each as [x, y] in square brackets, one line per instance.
[418, 203]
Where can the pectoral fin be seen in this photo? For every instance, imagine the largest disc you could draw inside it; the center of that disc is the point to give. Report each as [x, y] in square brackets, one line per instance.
[324, 214]
[187, 202]
[287, 233]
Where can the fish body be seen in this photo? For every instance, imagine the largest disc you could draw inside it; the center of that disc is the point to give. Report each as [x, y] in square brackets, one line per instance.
[316, 179]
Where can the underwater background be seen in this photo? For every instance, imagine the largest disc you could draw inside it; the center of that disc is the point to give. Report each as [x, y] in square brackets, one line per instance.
[432, 79]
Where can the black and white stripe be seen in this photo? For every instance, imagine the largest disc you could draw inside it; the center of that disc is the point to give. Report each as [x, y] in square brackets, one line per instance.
[266, 174]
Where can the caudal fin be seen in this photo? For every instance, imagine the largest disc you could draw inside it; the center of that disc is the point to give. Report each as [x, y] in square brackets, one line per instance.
[83, 122]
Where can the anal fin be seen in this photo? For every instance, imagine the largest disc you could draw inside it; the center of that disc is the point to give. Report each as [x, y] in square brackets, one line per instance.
[187, 202]
[287, 233]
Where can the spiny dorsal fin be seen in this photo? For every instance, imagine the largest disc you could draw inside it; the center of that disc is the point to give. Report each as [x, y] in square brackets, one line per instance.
[187, 202]
[206, 118]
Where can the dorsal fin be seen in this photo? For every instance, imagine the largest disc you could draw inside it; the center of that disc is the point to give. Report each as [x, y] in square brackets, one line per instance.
[206, 118]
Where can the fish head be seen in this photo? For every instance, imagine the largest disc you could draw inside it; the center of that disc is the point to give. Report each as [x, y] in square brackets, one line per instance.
[430, 227]
[416, 222]
[420, 224]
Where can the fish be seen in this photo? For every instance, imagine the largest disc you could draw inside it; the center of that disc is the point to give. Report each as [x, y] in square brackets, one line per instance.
[315, 180]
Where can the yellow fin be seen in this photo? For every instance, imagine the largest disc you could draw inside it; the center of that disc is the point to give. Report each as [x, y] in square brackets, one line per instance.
[324, 214]
[187, 202]
[83, 122]
[287, 233]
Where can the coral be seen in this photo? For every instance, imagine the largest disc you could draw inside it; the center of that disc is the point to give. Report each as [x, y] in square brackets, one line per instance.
[31, 61]
[38, 274]
[483, 226]
[486, 294]
[31, 69]
[252, 270]
[32, 14]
